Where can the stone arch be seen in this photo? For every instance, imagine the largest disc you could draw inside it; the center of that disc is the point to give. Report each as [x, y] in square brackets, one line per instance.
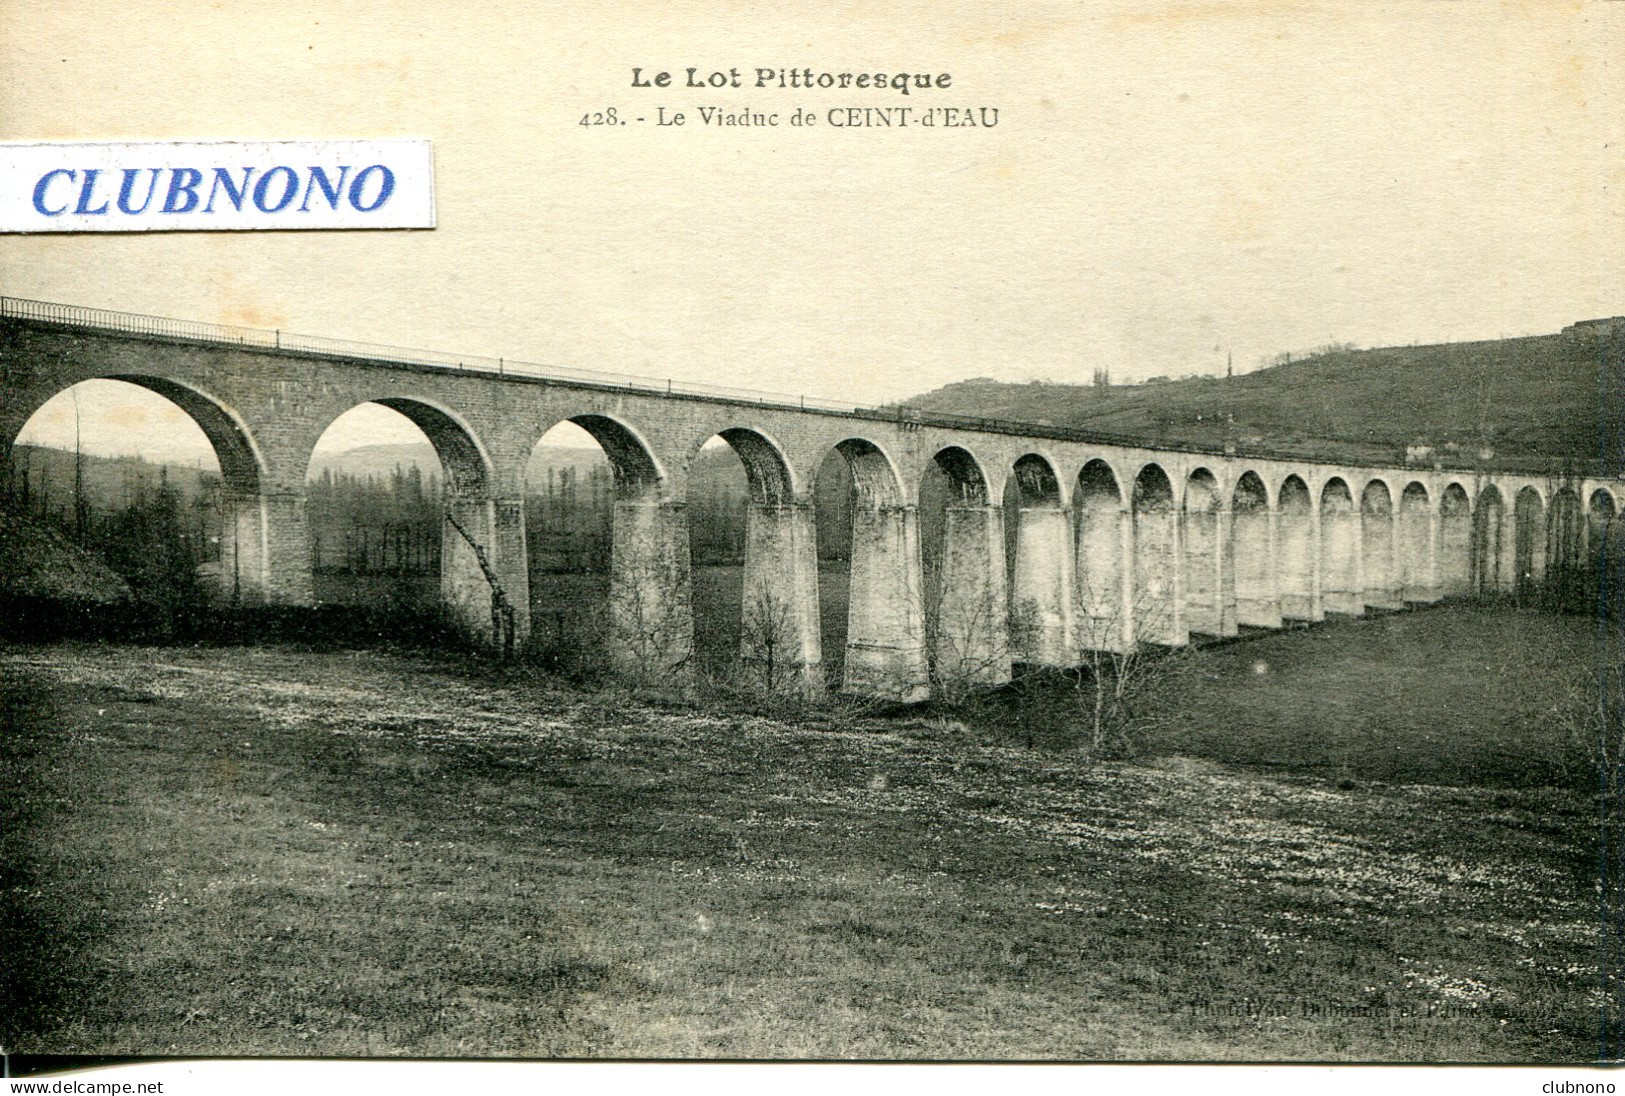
[638, 473]
[966, 481]
[1601, 508]
[469, 518]
[647, 600]
[250, 524]
[1295, 561]
[952, 483]
[769, 477]
[1379, 567]
[1340, 587]
[1155, 612]
[775, 601]
[875, 481]
[1204, 578]
[1252, 548]
[1455, 541]
[1528, 542]
[1153, 490]
[1031, 484]
[1540, 494]
[1489, 560]
[1413, 544]
[242, 468]
[962, 553]
[1102, 557]
[1201, 492]
[465, 461]
[1036, 481]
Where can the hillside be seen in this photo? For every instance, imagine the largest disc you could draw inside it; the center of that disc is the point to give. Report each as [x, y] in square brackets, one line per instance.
[42, 563]
[1548, 398]
[376, 461]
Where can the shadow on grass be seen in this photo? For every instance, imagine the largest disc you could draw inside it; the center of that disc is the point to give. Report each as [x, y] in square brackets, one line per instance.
[35, 620]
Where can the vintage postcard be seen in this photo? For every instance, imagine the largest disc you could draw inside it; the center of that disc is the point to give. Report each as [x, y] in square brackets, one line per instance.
[1078, 533]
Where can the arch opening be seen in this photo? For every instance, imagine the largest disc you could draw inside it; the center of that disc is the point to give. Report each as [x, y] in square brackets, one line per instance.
[1295, 550]
[1566, 578]
[1606, 551]
[1204, 562]
[1102, 558]
[725, 495]
[1414, 546]
[154, 478]
[1039, 550]
[609, 556]
[1155, 614]
[1601, 509]
[753, 565]
[1377, 554]
[1528, 544]
[963, 575]
[959, 475]
[569, 487]
[1340, 588]
[1258, 603]
[1455, 541]
[870, 598]
[396, 489]
[1036, 482]
[1490, 562]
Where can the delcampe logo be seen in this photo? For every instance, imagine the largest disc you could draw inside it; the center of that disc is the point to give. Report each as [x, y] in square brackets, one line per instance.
[147, 186]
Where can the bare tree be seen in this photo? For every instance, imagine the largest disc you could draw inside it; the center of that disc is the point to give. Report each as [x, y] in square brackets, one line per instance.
[1591, 714]
[1121, 677]
[768, 646]
[502, 612]
[972, 650]
[650, 629]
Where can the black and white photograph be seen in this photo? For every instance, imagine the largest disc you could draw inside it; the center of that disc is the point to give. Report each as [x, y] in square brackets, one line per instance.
[1051, 533]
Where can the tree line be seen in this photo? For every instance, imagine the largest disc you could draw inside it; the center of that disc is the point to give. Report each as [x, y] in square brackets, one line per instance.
[392, 525]
[156, 525]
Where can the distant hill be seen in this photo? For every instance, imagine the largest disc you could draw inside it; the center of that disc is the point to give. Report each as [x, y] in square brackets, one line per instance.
[377, 461]
[108, 482]
[380, 461]
[1548, 398]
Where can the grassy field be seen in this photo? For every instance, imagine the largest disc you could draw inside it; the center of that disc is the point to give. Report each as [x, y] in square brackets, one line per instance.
[1450, 695]
[274, 851]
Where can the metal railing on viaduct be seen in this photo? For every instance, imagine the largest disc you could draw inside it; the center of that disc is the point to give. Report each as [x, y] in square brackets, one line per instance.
[1117, 541]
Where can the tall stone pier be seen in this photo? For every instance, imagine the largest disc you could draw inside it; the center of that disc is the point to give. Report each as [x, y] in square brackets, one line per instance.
[885, 639]
[971, 643]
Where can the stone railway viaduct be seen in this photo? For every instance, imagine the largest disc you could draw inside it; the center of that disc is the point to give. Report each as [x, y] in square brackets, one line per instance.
[1116, 542]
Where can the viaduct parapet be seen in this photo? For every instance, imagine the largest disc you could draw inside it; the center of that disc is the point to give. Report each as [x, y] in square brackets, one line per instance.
[1116, 542]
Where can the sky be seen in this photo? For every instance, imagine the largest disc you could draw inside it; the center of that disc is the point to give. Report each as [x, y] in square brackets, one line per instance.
[108, 418]
[1169, 184]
